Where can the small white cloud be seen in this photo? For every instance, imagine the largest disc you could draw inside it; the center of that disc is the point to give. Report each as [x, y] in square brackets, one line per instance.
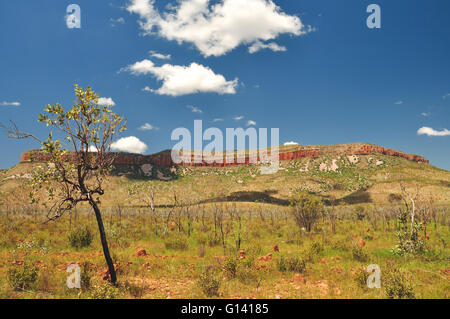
[93, 149]
[129, 144]
[258, 45]
[148, 127]
[250, 123]
[238, 118]
[194, 109]
[432, 132]
[217, 120]
[160, 55]
[181, 80]
[398, 102]
[106, 101]
[114, 22]
[4, 103]
[290, 143]
[217, 27]
[446, 96]
[425, 114]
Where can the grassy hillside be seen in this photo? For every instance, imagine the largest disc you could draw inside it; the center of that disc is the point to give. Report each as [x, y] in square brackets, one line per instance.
[362, 180]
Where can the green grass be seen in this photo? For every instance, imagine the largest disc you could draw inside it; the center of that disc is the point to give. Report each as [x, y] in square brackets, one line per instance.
[174, 272]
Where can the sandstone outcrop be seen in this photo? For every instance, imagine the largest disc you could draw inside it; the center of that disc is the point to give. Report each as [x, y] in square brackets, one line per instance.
[285, 154]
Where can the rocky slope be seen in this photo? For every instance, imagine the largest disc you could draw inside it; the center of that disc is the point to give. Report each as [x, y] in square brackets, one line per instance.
[350, 173]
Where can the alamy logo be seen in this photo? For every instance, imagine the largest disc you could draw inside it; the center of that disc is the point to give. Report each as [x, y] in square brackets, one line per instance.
[74, 279]
[213, 152]
[73, 17]
[374, 279]
[374, 20]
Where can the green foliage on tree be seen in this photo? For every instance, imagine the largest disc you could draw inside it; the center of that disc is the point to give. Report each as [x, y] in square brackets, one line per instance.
[306, 209]
[79, 158]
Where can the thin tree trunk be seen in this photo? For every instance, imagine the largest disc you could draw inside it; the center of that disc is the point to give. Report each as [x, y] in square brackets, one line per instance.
[101, 228]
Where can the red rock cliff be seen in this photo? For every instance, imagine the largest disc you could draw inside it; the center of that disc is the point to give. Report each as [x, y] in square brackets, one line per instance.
[164, 158]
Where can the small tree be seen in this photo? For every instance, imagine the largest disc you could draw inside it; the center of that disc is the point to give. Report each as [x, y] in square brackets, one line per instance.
[408, 237]
[306, 209]
[76, 176]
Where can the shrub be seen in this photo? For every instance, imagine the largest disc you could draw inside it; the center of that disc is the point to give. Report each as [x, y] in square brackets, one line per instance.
[247, 275]
[306, 209]
[135, 290]
[22, 278]
[361, 277]
[315, 249]
[408, 239]
[397, 285]
[230, 267]
[291, 263]
[80, 237]
[209, 282]
[176, 242]
[104, 291]
[359, 254]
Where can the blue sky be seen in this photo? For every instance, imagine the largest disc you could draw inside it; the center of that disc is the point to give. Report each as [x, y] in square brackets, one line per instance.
[333, 81]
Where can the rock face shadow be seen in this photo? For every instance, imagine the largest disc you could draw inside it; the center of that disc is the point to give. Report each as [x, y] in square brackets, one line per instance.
[358, 197]
[250, 196]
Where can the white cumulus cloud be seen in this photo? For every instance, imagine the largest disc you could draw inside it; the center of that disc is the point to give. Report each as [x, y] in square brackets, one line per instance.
[251, 123]
[160, 56]
[106, 101]
[238, 118]
[129, 144]
[432, 132]
[216, 28]
[258, 45]
[4, 103]
[148, 127]
[290, 143]
[181, 80]
[398, 103]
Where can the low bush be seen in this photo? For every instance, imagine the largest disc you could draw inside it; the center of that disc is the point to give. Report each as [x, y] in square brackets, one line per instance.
[314, 250]
[247, 275]
[291, 263]
[360, 254]
[397, 285]
[209, 282]
[361, 277]
[80, 237]
[22, 278]
[230, 267]
[104, 291]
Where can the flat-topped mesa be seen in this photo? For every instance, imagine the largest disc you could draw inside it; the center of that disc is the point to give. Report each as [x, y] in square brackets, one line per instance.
[286, 153]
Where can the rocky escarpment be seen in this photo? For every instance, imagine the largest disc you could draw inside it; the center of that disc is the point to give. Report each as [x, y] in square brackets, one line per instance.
[164, 159]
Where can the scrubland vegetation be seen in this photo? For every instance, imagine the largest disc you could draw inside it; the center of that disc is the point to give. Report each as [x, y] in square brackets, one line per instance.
[308, 231]
[229, 250]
